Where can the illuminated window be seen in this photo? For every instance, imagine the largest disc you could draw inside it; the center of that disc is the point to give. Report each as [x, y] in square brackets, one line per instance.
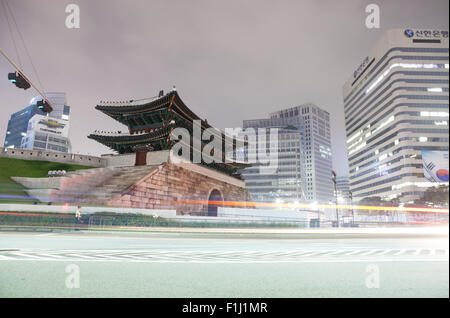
[423, 139]
[402, 65]
[434, 114]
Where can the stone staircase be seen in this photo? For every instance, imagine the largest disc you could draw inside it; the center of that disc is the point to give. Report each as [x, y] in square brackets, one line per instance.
[123, 178]
[65, 188]
[79, 183]
[89, 186]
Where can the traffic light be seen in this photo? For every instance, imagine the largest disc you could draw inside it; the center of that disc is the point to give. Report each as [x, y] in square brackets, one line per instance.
[17, 79]
[44, 106]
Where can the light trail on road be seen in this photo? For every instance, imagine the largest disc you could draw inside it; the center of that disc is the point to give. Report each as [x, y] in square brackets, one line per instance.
[318, 206]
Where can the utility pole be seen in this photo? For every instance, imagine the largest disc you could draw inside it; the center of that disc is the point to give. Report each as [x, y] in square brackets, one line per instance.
[21, 72]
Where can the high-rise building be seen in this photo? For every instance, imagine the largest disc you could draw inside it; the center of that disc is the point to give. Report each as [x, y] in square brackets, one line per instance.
[18, 124]
[46, 133]
[304, 157]
[30, 128]
[343, 187]
[396, 108]
[284, 182]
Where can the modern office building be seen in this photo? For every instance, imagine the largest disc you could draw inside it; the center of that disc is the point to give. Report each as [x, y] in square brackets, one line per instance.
[396, 108]
[343, 187]
[18, 124]
[304, 157]
[46, 133]
[30, 128]
[284, 182]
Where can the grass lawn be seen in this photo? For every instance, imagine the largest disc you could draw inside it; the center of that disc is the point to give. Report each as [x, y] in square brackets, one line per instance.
[12, 192]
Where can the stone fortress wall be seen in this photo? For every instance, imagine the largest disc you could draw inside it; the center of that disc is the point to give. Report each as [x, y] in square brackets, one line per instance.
[184, 187]
[53, 156]
[165, 183]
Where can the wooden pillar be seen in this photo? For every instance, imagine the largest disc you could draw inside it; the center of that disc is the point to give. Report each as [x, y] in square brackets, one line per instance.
[141, 158]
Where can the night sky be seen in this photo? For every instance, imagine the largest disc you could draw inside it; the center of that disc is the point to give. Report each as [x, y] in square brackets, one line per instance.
[230, 60]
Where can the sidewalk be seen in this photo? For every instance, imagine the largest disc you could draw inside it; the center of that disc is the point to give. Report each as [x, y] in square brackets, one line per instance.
[300, 232]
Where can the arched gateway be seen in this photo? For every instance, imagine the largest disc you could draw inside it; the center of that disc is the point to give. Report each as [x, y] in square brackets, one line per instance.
[213, 202]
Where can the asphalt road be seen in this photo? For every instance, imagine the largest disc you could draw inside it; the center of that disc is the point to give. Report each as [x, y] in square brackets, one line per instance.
[110, 264]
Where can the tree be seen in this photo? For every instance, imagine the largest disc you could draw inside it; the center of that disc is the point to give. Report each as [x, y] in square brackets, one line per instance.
[372, 200]
[437, 195]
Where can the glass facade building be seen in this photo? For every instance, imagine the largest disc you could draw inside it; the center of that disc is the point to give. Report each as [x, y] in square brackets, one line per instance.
[18, 134]
[343, 188]
[396, 106]
[284, 184]
[304, 157]
[18, 124]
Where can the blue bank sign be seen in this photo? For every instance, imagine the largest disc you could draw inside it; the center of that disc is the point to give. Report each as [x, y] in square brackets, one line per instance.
[409, 33]
[430, 34]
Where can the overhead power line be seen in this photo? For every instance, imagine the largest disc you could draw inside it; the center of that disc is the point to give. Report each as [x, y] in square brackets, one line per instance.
[24, 44]
[11, 32]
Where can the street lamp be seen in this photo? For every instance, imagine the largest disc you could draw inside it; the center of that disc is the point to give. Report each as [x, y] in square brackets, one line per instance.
[333, 177]
[350, 194]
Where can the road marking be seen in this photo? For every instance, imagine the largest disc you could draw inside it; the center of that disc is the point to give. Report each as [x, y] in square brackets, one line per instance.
[368, 253]
[336, 252]
[51, 255]
[315, 253]
[302, 253]
[211, 256]
[352, 253]
[311, 260]
[25, 255]
[385, 252]
[122, 255]
[400, 252]
[82, 256]
[3, 257]
[417, 252]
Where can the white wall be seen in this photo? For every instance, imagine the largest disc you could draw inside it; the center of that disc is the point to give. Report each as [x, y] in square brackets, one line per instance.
[43, 155]
[264, 214]
[127, 160]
